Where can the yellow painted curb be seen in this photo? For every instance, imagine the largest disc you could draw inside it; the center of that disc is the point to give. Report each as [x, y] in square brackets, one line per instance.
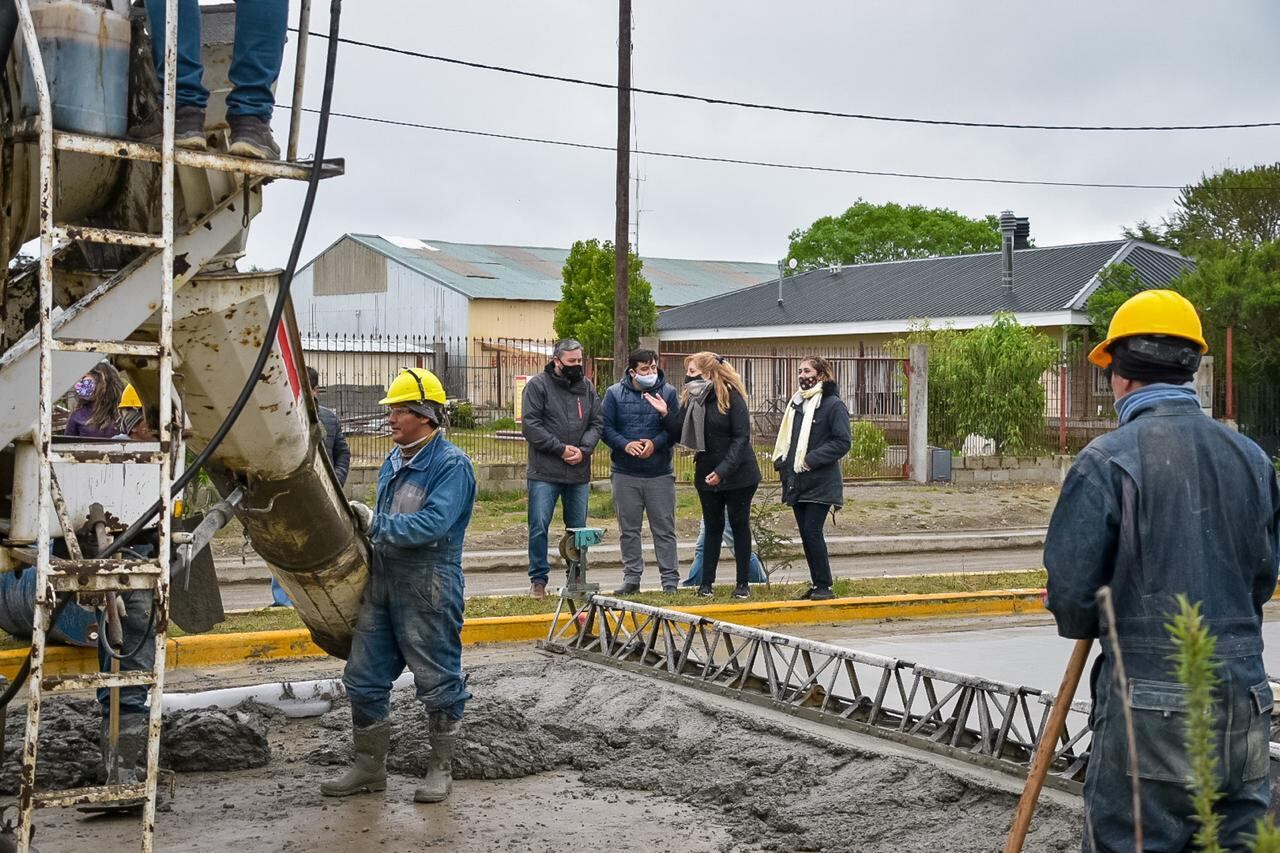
[295, 644]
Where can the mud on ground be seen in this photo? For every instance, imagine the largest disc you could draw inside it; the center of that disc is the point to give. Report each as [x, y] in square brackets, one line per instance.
[559, 754]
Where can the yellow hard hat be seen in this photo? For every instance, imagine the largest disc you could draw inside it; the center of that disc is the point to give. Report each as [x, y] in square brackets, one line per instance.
[413, 385]
[1151, 312]
[129, 399]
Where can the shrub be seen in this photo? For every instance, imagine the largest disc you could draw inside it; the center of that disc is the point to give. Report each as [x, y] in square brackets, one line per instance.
[869, 443]
[504, 424]
[461, 414]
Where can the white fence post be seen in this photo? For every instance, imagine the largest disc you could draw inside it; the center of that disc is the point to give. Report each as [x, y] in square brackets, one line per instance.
[918, 414]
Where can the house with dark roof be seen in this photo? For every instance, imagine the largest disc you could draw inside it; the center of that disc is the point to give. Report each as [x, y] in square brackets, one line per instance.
[374, 286]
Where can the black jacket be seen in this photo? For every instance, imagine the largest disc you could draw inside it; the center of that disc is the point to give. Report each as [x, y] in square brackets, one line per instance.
[335, 443]
[729, 452]
[829, 441]
[555, 414]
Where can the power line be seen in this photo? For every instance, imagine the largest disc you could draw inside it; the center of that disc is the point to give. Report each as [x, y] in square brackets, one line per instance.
[708, 99]
[800, 167]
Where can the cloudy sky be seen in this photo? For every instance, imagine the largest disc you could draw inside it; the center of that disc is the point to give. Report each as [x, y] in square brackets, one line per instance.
[1085, 62]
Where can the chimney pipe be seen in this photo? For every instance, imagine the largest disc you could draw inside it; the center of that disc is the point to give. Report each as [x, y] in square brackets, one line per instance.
[1008, 227]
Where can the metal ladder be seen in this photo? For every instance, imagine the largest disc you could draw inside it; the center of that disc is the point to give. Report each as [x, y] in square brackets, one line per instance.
[66, 577]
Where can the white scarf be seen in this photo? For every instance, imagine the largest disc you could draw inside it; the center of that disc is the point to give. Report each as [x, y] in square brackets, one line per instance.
[807, 402]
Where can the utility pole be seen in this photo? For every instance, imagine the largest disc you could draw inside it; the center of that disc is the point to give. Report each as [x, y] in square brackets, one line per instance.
[622, 223]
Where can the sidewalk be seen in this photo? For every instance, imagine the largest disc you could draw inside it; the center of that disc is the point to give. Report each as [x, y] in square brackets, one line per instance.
[609, 555]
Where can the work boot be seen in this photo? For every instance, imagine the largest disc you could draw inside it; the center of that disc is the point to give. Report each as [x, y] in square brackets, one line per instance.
[669, 590]
[705, 591]
[369, 770]
[188, 129]
[627, 589]
[820, 593]
[538, 589]
[444, 737]
[127, 765]
[742, 591]
[251, 137]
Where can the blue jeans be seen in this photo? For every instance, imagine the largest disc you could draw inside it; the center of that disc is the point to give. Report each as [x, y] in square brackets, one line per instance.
[255, 58]
[410, 615]
[695, 568]
[542, 506]
[278, 596]
[134, 627]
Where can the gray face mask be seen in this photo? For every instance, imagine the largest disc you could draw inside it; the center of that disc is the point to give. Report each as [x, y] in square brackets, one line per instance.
[645, 381]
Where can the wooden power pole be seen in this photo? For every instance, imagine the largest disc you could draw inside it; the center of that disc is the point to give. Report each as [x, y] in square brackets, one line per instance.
[622, 227]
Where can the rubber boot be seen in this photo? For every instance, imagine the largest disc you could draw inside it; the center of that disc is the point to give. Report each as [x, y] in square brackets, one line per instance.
[127, 765]
[369, 771]
[444, 737]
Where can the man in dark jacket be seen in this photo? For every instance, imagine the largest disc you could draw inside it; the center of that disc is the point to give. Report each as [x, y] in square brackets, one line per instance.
[643, 480]
[339, 453]
[1169, 504]
[560, 419]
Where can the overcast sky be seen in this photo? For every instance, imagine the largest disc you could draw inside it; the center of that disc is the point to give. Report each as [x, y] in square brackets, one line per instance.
[1085, 62]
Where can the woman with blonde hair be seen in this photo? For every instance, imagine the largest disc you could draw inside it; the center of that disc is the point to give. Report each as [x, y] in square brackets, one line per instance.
[717, 427]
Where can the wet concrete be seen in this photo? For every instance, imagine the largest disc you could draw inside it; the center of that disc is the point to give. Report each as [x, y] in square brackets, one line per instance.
[557, 754]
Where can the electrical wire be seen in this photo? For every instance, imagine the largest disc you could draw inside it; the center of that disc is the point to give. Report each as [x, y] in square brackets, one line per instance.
[828, 113]
[801, 167]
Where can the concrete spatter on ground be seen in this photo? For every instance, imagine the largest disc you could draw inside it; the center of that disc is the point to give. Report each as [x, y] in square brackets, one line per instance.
[769, 787]
[69, 753]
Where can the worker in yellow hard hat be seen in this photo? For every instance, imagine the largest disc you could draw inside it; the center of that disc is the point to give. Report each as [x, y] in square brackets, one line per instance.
[411, 610]
[1169, 504]
[133, 421]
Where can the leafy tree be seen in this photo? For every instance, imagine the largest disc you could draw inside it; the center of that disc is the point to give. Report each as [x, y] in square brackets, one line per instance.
[585, 311]
[1240, 289]
[1230, 210]
[1118, 283]
[987, 382]
[866, 233]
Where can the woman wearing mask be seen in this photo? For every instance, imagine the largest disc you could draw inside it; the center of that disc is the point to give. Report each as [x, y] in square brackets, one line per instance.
[812, 440]
[717, 427]
[98, 394]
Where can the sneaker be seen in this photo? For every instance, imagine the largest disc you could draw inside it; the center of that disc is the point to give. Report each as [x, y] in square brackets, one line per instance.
[251, 137]
[188, 129]
[705, 591]
[627, 589]
[821, 593]
[742, 591]
[806, 595]
[669, 590]
[537, 590]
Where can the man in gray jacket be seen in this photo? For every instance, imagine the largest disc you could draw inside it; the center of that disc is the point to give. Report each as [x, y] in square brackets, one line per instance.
[561, 422]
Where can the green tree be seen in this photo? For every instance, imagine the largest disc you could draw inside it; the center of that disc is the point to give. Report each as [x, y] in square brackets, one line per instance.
[1240, 288]
[986, 382]
[1232, 209]
[585, 311]
[867, 233]
[1117, 283]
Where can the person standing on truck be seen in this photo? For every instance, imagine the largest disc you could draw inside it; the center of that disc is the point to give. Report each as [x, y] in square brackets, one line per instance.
[255, 65]
[411, 609]
[339, 454]
[1169, 504]
[561, 422]
[641, 423]
[98, 395]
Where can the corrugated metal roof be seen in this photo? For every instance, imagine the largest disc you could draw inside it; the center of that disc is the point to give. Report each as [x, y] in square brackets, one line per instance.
[1045, 279]
[526, 272]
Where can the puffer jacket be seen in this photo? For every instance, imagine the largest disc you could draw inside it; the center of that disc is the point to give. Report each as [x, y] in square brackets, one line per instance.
[829, 441]
[556, 414]
[629, 417]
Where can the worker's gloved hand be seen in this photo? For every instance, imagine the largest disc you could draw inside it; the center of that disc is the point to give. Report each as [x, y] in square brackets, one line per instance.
[364, 515]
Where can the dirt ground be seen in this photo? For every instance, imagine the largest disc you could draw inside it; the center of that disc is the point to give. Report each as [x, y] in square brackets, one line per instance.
[597, 759]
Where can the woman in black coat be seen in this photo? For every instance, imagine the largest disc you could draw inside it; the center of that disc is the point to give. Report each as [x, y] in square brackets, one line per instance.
[717, 427]
[812, 440]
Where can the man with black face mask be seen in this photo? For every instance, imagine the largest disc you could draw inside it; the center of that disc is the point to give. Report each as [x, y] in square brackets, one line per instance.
[561, 421]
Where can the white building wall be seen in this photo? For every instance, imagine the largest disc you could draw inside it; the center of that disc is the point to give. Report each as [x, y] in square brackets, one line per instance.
[413, 306]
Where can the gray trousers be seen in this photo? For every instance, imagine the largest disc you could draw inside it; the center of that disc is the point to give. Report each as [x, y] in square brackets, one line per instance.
[633, 497]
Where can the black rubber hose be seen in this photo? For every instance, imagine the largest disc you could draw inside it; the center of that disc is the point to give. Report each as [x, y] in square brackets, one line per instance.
[268, 343]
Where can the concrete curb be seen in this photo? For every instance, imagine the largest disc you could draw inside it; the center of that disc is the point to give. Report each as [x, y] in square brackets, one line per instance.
[295, 644]
[256, 570]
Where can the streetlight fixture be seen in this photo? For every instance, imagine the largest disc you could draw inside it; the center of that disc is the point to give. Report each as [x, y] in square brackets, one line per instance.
[788, 263]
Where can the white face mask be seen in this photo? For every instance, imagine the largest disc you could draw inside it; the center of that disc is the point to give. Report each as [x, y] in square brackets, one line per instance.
[646, 380]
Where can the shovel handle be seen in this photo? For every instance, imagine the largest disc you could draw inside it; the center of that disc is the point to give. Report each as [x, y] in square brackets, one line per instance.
[1048, 742]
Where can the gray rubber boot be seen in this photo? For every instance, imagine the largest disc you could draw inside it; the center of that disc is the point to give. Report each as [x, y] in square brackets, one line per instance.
[444, 737]
[369, 771]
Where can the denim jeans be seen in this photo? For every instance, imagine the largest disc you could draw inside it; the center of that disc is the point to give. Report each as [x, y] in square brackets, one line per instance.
[810, 519]
[542, 506]
[278, 596]
[136, 628]
[410, 615]
[695, 568]
[255, 58]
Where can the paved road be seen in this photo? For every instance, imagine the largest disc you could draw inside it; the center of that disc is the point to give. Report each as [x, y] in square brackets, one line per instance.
[249, 596]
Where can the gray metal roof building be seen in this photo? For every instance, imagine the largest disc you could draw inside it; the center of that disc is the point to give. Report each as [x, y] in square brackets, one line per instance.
[1050, 288]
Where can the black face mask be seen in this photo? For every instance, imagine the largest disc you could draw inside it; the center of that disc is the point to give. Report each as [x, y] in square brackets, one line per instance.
[807, 382]
[689, 379]
[572, 372]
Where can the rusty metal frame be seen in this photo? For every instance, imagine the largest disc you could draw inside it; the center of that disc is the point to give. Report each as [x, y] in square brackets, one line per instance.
[993, 724]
